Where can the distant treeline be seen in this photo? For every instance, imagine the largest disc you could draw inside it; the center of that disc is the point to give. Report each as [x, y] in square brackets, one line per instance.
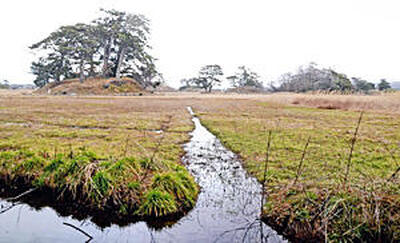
[5, 84]
[112, 45]
[307, 78]
[211, 76]
[312, 78]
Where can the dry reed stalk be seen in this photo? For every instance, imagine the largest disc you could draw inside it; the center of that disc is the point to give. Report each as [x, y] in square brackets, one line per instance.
[298, 173]
[266, 163]
[353, 142]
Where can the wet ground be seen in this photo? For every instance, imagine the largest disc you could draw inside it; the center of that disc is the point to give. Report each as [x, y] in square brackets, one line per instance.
[227, 210]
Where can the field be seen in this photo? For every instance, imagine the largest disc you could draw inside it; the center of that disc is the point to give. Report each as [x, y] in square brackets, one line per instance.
[118, 155]
[309, 196]
[124, 153]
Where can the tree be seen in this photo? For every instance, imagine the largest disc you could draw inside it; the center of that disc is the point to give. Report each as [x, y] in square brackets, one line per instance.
[115, 44]
[81, 46]
[362, 85]
[68, 47]
[42, 71]
[340, 81]
[244, 77]
[5, 84]
[384, 85]
[313, 78]
[209, 76]
[107, 29]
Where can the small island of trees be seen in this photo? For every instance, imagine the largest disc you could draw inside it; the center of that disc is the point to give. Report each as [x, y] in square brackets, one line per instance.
[112, 45]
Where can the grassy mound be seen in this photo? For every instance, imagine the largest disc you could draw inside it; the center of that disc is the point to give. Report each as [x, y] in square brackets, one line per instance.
[93, 86]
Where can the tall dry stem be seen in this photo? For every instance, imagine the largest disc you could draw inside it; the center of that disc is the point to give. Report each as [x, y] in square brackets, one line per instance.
[266, 164]
[353, 142]
[299, 168]
[393, 176]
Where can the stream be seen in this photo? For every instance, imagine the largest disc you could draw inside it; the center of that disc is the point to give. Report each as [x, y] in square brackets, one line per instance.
[227, 209]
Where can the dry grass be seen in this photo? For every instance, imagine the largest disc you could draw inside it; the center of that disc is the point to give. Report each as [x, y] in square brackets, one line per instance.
[317, 205]
[383, 102]
[18, 92]
[92, 86]
[105, 153]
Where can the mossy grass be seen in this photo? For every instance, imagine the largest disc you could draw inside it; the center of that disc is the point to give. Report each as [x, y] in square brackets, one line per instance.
[105, 182]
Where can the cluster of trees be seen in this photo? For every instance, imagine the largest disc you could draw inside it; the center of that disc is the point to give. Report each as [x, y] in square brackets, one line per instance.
[307, 78]
[5, 84]
[212, 75]
[244, 77]
[384, 85]
[311, 78]
[112, 45]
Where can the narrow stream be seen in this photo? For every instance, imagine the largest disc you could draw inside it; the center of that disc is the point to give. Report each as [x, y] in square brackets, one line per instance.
[227, 209]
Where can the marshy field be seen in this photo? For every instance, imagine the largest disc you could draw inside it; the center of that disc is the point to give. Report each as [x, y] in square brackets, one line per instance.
[327, 165]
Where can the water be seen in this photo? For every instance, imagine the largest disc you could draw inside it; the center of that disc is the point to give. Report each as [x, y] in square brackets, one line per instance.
[227, 209]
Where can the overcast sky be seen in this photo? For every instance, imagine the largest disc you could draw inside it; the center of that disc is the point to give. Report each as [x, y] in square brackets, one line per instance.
[358, 37]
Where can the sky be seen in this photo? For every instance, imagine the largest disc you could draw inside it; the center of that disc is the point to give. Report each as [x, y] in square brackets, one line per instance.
[358, 37]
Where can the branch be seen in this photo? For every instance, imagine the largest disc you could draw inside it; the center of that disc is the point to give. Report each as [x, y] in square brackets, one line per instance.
[21, 195]
[78, 229]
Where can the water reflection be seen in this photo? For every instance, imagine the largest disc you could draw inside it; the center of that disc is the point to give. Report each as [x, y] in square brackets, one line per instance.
[227, 209]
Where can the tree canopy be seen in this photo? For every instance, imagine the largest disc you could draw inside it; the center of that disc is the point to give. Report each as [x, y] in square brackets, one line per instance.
[244, 77]
[4, 84]
[112, 45]
[384, 85]
[311, 77]
[209, 77]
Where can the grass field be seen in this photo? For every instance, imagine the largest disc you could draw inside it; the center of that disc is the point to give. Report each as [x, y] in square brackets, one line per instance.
[320, 203]
[116, 154]
[108, 152]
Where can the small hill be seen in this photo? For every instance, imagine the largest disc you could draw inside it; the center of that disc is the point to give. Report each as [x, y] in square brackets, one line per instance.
[94, 86]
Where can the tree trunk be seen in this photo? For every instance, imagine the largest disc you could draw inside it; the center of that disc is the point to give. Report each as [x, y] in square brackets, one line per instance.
[81, 72]
[120, 59]
[209, 88]
[92, 72]
[106, 57]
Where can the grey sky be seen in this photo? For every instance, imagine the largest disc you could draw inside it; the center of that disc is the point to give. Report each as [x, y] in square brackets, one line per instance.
[357, 37]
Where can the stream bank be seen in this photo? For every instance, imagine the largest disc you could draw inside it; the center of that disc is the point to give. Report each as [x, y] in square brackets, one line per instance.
[227, 208]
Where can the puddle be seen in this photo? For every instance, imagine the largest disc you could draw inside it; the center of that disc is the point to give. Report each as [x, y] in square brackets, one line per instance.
[227, 209]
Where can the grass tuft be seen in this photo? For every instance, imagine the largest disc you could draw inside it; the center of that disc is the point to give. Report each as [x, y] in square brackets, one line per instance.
[157, 203]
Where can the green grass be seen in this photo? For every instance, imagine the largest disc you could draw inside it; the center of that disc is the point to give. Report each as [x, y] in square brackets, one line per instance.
[368, 207]
[103, 153]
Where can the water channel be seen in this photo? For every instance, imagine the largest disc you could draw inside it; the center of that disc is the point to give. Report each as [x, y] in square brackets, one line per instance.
[227, 209]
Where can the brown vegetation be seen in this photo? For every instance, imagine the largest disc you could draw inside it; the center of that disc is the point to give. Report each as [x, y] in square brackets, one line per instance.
[328, 172]
[314, 190]
[115, 155]
[381, 102]
[93, 86]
